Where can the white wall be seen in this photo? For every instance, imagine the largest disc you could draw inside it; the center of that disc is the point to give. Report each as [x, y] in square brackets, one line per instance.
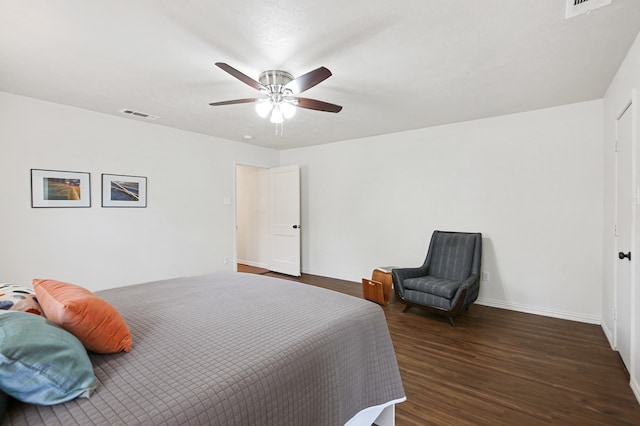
[530, 182]
[622, 89]
[185, 230]
[252, 228]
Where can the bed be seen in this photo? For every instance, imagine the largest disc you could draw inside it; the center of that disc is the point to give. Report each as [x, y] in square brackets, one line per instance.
[237, 349]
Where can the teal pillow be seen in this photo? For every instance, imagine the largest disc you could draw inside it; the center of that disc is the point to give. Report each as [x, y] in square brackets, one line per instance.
[40, 362]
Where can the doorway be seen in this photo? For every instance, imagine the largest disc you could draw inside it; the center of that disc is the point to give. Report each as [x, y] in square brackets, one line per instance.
[268, 218]
[252, 216]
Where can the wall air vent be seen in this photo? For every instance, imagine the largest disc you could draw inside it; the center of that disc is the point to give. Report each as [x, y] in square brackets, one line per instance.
[578, 7]
[139, 114]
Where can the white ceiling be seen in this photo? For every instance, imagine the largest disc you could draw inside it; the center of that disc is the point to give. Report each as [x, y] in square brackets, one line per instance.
[396, 65]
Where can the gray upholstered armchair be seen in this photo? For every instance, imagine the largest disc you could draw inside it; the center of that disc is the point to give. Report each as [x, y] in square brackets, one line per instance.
[449, 279]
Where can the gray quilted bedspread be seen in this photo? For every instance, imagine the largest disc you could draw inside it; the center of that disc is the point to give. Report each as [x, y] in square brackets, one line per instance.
[235, 349]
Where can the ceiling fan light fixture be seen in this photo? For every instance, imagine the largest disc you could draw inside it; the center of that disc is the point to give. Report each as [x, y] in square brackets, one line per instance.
[288, 109]
[280, 90]
[276, 115]
[264, 107]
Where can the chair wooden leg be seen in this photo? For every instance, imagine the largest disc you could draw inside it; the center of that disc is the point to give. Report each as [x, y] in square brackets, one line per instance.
[406, 308]
[453, 324]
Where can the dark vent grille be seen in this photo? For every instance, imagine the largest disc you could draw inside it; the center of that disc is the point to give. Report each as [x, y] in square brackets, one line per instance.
[139, 114]
[577, 2]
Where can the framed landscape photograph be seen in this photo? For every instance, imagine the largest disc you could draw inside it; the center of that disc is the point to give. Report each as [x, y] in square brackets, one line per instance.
[56, 188]
[124, 191]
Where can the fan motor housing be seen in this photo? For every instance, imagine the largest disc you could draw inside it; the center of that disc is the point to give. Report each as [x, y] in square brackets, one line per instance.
[274, 77]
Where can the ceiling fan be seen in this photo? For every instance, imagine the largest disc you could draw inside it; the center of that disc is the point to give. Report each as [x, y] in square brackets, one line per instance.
[279, 89]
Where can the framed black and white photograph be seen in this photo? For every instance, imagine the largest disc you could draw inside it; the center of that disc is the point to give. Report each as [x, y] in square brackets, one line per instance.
[57, 188]
[124, 191]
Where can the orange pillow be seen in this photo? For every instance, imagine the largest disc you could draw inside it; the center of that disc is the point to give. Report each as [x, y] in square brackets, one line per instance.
[95, 322]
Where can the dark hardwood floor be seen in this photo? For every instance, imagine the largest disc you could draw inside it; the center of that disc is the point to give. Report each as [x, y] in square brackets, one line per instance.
[500, 367]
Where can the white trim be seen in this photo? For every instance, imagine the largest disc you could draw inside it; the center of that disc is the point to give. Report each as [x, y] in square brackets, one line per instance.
[608, 334]
[254, 264]
[539, 311]
[635, 387]
[571, 316]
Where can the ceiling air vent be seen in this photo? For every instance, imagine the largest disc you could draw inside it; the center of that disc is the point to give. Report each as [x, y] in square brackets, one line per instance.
[139, 114]
[578, 7]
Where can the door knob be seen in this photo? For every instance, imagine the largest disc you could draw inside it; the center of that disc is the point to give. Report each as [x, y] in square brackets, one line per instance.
[296, 226]
[622, 255]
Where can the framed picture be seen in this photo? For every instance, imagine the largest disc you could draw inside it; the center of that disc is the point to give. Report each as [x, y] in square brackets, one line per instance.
[124, 191]
[55, 188]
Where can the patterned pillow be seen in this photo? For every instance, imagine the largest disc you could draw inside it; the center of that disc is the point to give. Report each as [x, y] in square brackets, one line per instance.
[14, 297]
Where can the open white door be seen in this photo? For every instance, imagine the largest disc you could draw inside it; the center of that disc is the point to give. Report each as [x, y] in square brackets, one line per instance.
[624, 219]
[285, 220]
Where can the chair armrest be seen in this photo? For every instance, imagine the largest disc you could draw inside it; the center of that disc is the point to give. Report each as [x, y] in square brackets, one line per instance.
[471, 285]
[470, 281]
[401, 274]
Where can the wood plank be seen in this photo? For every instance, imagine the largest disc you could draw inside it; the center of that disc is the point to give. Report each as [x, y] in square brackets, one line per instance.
[501, 367]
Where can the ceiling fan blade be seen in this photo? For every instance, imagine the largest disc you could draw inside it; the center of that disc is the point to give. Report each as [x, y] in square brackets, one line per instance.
[235, 101]
[240, 76]
[308, 80]
[318, 105]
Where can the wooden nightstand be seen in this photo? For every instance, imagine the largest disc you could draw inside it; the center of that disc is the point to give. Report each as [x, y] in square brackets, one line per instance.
[378, 288]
